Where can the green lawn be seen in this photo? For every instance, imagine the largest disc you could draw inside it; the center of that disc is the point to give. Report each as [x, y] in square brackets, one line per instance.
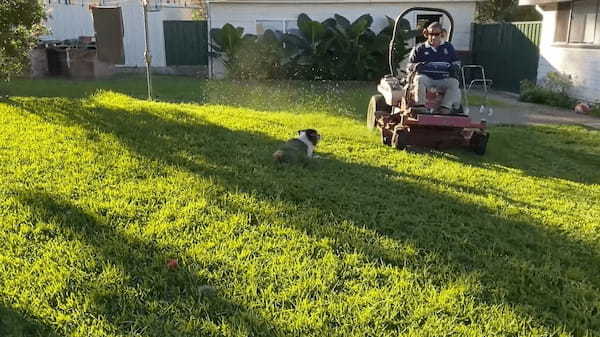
[99, 189]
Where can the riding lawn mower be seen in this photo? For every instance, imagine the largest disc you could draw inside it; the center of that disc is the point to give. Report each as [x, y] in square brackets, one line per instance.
[403, 124]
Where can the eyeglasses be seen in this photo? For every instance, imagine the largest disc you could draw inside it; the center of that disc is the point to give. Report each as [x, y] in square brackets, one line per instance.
[433, 34]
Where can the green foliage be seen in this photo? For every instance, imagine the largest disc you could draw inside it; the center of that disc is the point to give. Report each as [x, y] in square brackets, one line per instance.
[553, 90]
[226, 42]
[20, 24]
[595, 109]
[308, 54]
[98, 191]
[355, 47]
[262, 58]
[335, 49]
[558, 82]
[247, 56]
[504, 11]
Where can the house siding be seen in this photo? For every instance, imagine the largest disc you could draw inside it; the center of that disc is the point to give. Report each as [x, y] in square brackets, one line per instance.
[71, 21]
[241, 14]
[580, 63]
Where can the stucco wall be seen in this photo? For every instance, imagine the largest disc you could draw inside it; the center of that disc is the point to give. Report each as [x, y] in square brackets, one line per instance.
[70, 22]
[581, 63]
[245, 15]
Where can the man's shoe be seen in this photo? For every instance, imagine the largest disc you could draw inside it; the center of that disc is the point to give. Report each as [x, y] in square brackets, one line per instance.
[418, 109]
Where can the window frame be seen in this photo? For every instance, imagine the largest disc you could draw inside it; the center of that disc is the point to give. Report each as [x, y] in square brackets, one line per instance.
[282, 21]
[595, 44]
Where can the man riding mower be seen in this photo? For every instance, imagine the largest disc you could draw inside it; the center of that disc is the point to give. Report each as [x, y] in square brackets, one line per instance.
[436, 65]
[421, 106]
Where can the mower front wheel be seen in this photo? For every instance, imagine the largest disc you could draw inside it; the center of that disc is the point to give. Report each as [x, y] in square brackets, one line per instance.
[377, 108]
[479, 142]
[400, 139]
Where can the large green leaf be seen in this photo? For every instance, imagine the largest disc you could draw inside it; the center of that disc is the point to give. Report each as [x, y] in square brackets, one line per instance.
[342, 21]
[329, 23]
[312, 30]
[295, 42]
[228, 38]
[403, 24]
[361, 24]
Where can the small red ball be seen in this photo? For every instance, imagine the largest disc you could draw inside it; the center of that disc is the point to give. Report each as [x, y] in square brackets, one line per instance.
[172, 264]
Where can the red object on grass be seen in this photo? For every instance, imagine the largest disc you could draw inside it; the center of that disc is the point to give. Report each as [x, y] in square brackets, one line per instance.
[582, 108]
[172, 264]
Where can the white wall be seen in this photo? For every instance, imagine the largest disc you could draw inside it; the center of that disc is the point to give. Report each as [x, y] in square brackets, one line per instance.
[245, 15]
[133, 40]
[72, 21]
[68, 22]
[581, 63]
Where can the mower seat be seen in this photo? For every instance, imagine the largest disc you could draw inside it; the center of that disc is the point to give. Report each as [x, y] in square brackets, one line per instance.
[434, 97]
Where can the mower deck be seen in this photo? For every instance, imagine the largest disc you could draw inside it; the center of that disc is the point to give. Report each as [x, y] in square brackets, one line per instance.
[432, 131]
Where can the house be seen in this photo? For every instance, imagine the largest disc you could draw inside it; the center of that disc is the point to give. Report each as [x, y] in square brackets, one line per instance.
[256, 16]
[570, 43]
[70, 19]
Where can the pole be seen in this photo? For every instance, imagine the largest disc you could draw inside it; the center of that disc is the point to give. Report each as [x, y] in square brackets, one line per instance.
[147, 55]
[210, 54]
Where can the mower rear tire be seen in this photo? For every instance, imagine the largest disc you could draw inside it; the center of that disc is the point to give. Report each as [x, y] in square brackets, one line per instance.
[479, 143]
[377, 107]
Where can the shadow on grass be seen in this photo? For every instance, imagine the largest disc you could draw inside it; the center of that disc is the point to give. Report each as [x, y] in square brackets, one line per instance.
[541, 151]
[17, 324]
[540, 271]
[151, 289]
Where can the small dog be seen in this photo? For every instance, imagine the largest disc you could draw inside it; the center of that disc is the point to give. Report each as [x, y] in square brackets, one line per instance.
[298, 149]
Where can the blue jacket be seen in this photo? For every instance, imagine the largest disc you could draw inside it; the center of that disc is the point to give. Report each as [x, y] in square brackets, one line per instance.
[439, 60]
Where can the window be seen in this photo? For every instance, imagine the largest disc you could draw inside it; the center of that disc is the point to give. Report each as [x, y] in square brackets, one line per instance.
[284, 26]
[578, 22]
[562, 21]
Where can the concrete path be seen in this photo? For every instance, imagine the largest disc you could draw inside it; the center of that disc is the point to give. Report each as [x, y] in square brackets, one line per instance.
[513, 111]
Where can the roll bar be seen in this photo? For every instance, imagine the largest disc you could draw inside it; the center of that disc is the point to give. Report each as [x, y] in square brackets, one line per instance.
[412, 9]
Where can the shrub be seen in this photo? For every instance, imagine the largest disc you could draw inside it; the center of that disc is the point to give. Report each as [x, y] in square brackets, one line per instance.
[552, 91]
[259, 58]
[335, 49]
[557, 82]
[20, 25]
[595, 111]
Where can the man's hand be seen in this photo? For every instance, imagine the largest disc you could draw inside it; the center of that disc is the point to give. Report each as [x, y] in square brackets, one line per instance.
[454, 71]
[417, 66]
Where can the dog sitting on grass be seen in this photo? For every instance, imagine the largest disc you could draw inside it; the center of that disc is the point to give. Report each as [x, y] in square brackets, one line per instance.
[300, 149]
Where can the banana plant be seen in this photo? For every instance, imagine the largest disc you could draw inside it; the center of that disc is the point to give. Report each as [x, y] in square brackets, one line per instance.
[352, 46]
[307, 53]
[227, 41]
[335, 49]
[400, 46]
